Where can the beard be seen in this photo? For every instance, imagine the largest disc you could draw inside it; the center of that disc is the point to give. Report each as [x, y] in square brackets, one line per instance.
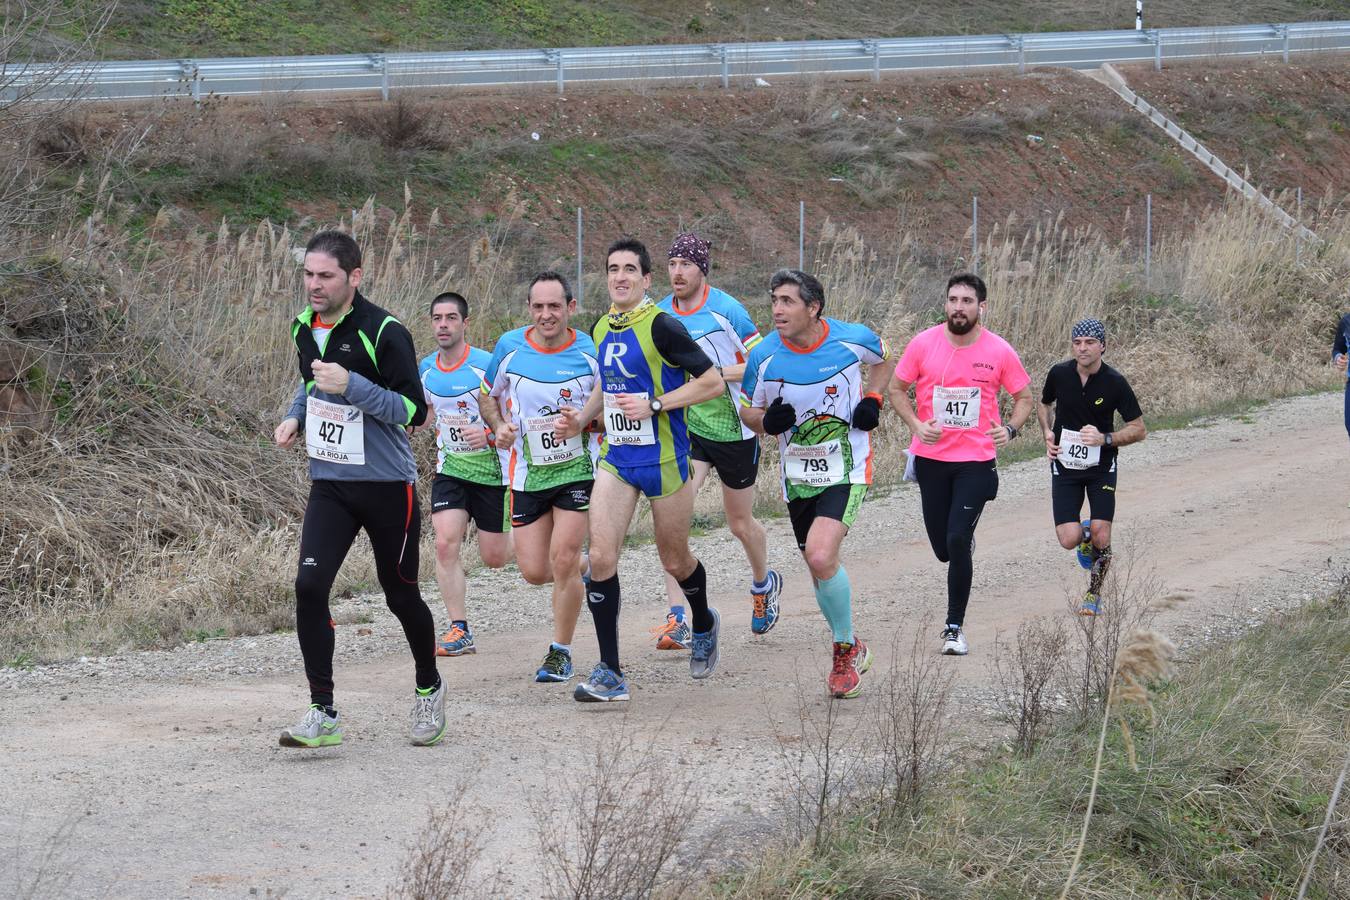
[965, 326]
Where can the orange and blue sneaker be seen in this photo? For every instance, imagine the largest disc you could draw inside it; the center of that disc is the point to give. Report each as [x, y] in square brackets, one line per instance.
[674, 633]
[850, 662]
[1087, 554]
[764, 612]
[456, 642]
[1092, 605]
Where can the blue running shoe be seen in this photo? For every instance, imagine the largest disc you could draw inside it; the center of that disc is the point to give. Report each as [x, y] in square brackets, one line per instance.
[1092, 605]
[703, 659]
[603, 686]
[764, 615]
[1087, 554]
[674, 633]
[455, 642]
[557, 665]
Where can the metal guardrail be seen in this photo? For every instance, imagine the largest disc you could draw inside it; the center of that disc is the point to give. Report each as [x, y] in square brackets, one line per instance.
[723, 63]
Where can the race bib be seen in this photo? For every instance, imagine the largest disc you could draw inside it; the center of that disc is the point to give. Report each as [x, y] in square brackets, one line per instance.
[1074, 454]
[816, 465]
[335, 432]
[956, 407]
[545, 447]
[619, 429]
[452, 427]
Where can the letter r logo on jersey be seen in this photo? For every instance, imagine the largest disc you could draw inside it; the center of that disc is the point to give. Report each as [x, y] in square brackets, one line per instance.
[614, 353]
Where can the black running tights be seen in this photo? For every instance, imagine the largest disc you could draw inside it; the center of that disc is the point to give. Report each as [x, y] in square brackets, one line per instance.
[389, 513]
[953, 495]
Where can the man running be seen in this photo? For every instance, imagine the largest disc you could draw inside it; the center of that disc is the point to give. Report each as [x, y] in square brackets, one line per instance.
[1085, 394]
[469, 474]
[717, 437]
[650, 370]
[1339, 347]
[958, 367]
[358, 394]
[535, 372]
[805, 384]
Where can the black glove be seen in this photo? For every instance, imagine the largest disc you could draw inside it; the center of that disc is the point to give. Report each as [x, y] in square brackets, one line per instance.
[779, 417]
[867, 414]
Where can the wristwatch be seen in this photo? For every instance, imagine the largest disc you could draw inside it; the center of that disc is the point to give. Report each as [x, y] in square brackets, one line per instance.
[1012, 432]
[1110, 439]
[655, 405]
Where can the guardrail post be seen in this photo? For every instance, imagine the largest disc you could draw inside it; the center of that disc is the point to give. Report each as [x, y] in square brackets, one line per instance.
[380, 63]
[1019, 43]
[1283, 31]
[801, 234]
[720, 51]
[874, 48]
[1156, 37]
[194, 75]
[556, 57]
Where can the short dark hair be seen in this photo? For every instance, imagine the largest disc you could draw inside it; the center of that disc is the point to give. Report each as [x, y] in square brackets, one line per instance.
[970, 280]
[550, 275]
[338, 245]
[451, 297]
[808, 286]
[632, 245]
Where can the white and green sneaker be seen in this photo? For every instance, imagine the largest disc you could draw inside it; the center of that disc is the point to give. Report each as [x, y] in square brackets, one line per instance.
[428, 715]
[315, 729]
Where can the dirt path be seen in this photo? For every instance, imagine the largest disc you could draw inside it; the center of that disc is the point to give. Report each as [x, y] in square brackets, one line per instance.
[159, 775]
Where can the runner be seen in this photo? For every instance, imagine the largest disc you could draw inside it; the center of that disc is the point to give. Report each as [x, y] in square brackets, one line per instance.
[1339, 347]
[805, 384]
[536, 371]
[958, 367]
[358, 394]
[717, 437]
[646, 359]
[470, 483]
[1086, 394]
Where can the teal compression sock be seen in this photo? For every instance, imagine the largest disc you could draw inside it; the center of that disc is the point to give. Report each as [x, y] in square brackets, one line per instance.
[835, 596]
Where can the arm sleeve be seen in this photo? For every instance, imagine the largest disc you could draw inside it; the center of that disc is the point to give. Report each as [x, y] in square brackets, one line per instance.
[1129, 404]
[297, 410]
[1340, 344]
[744, 328]
[677, 347]
[403, 402]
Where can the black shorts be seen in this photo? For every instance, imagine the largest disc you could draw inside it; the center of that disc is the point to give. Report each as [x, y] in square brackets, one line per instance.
[485, 503]
[528, 506]
[1067, 489]
[840, 502]
[736, 462]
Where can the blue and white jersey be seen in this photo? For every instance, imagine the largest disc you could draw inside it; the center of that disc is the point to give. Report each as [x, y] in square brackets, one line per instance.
[824, 384]
[722, 328]
[532, 383]
[452, 394]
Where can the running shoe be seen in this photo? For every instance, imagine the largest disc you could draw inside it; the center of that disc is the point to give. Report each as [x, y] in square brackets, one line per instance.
[850, 662]
[703, 659]
[603, 686]
[673, 635]
[1087, 555]
[953, 641]
[455, 642]
[316, 728]
[557, 665]
[428, 715]
[1092, 605]
[764, 615]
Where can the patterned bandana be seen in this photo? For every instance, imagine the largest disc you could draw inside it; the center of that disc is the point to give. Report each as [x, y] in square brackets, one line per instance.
[618, 321]
[1090, 328]
[691, 247]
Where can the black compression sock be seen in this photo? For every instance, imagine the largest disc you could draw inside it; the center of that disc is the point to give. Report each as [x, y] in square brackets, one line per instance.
[1100, 566]
[695, 589]
[603, 599]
